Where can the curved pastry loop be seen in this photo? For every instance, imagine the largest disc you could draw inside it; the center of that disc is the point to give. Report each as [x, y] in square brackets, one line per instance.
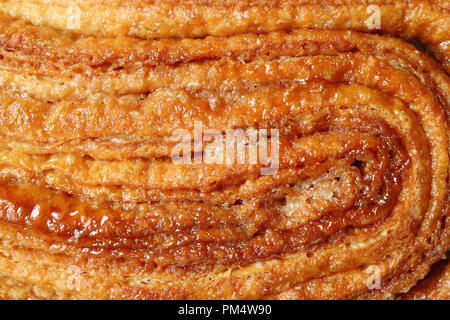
[92, 206]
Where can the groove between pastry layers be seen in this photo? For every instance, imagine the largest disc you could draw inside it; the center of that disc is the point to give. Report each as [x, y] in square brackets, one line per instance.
[435, 286]
[93, 207]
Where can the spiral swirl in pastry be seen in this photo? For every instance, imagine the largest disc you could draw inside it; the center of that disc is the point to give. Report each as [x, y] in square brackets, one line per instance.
[92, 205]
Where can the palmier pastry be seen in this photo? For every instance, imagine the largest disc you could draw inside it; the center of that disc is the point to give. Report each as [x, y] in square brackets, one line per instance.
[435, 286]
[353, 204]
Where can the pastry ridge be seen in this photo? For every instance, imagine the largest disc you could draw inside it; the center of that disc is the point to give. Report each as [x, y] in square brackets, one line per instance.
[92, 205]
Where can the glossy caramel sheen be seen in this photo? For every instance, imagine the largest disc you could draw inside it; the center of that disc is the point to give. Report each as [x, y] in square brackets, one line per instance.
[435, 286]
[92, 206]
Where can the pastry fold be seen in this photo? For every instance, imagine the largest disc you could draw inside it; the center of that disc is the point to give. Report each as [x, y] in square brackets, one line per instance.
[435, 286]
[425, 20]
[92, 206]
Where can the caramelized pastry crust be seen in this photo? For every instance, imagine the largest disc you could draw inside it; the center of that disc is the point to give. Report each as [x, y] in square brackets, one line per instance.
[435, 286]
[93, 207]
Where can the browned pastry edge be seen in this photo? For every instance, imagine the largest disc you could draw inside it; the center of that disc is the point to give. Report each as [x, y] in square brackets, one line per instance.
[424, 20]
[435, 286]
[363, 175]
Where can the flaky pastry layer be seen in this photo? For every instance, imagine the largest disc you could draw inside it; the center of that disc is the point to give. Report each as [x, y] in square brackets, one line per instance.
[93, 207]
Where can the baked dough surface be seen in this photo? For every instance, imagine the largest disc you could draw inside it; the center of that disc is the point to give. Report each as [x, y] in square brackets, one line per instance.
[93, 207]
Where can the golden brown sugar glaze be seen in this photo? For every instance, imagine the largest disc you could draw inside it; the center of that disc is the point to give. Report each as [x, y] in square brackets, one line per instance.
[424, 20]
[435, 286]
[92, 206]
